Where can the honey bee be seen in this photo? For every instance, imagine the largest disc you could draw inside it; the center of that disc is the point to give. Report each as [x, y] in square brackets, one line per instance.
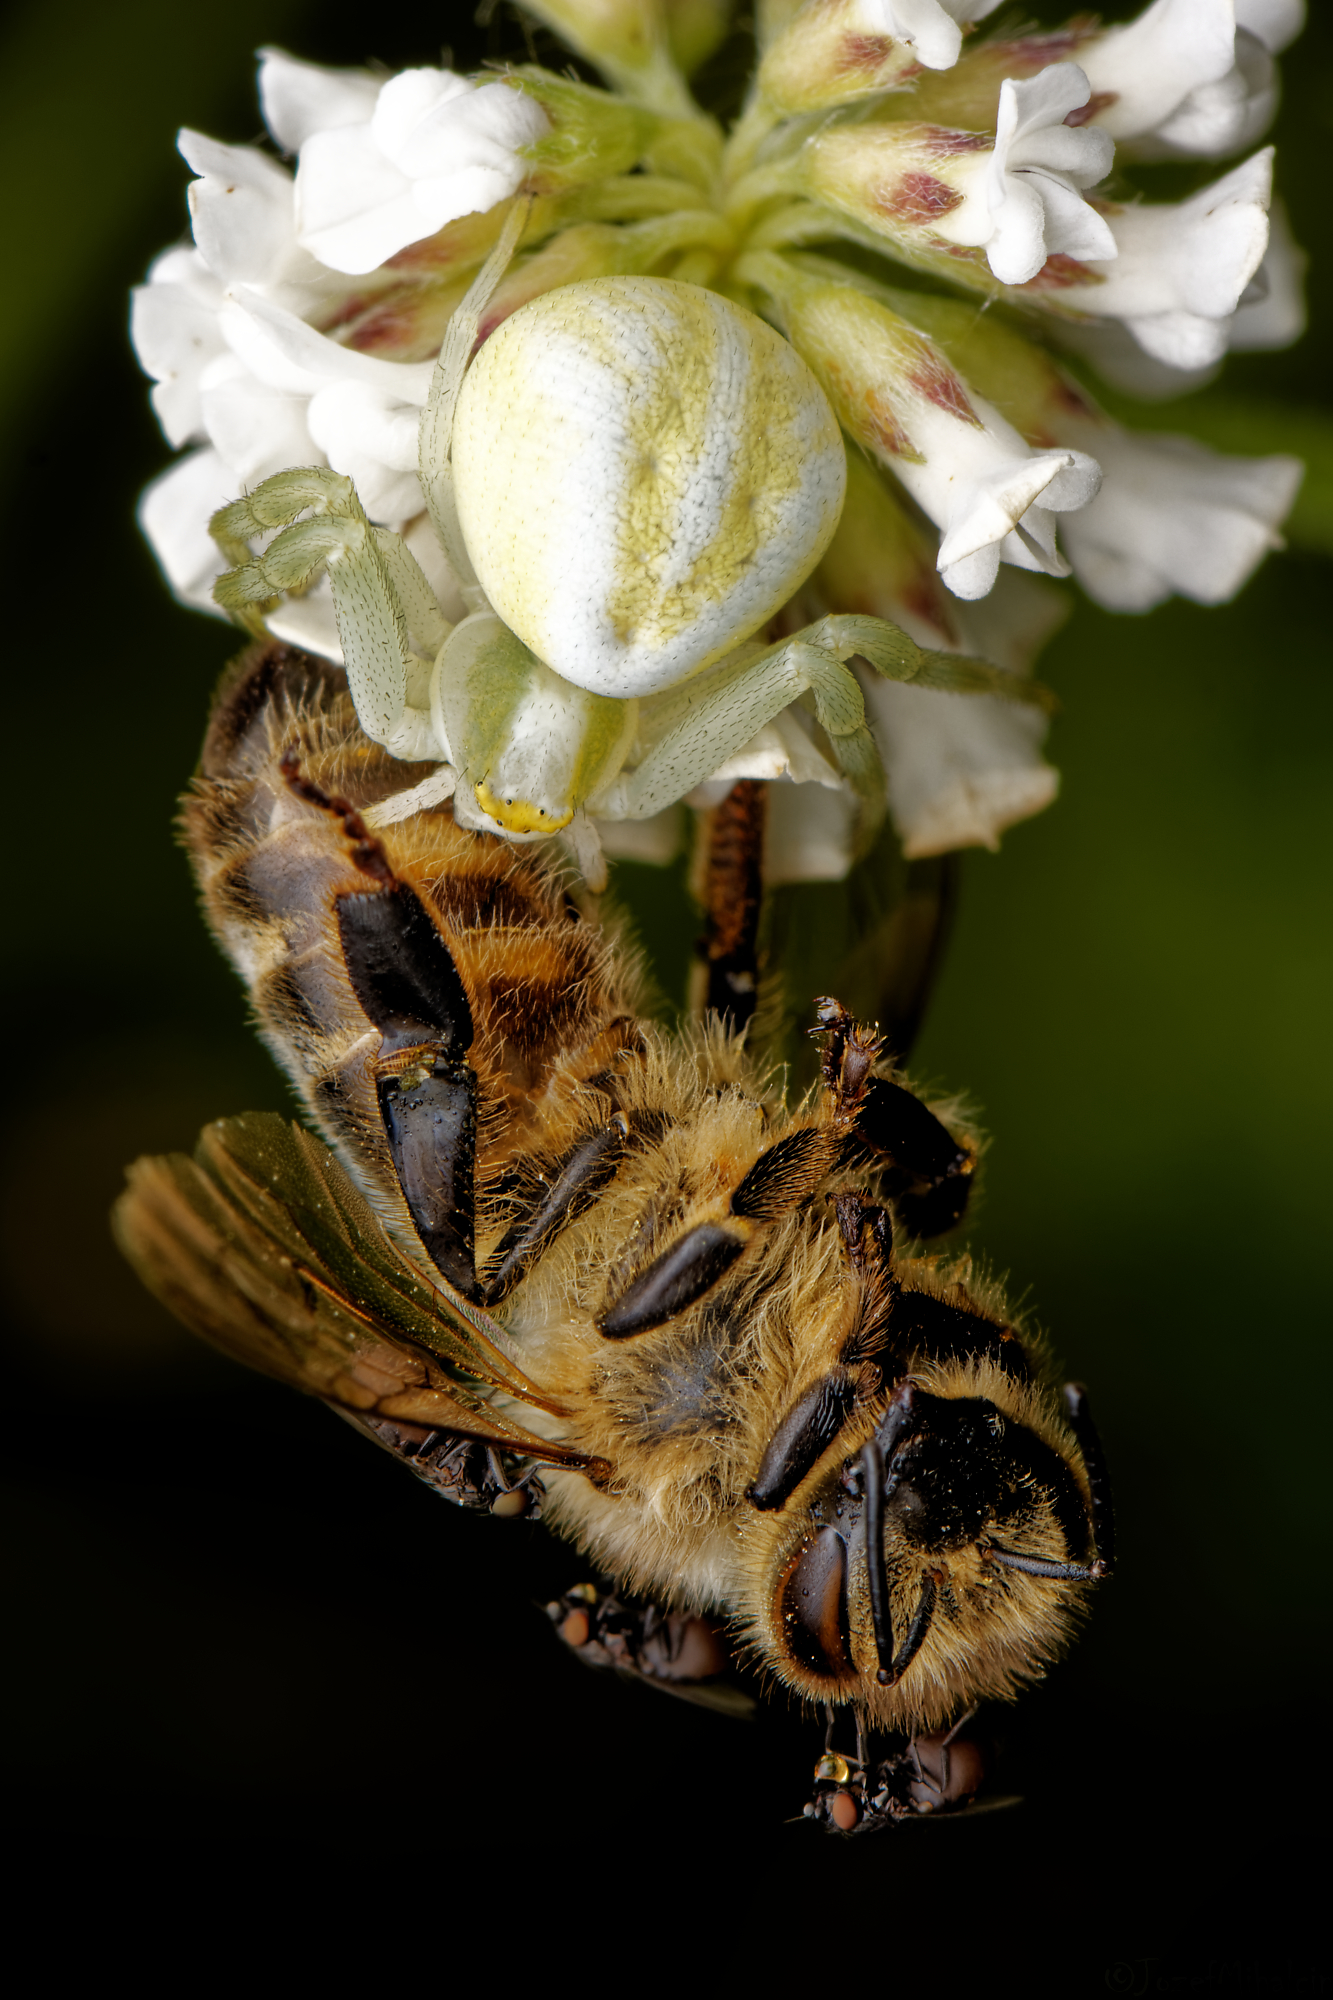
[558, 1260]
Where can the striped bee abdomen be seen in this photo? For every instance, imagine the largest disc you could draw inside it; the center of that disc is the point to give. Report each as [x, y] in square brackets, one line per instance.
[435, 995]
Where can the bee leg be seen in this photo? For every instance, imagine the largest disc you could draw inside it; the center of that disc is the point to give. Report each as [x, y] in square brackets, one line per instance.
[729, 883]
[464, 1471]
[586, 1168]
[926, 1171]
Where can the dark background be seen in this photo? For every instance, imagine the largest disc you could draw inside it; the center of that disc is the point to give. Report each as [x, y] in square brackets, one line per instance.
[240, 1641]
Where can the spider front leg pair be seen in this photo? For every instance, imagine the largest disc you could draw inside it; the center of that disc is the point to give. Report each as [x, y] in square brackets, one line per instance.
[380, 595]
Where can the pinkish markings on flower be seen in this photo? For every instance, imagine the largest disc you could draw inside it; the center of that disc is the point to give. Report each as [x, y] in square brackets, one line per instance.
[1028, 53]
[916, 198]
[942, 142]
[937, 382]
[1101, 100]
[861, 52]
[1059, 272]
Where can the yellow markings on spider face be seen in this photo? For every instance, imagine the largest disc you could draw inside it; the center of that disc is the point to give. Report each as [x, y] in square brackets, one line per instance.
[645, 473]
[534, 746]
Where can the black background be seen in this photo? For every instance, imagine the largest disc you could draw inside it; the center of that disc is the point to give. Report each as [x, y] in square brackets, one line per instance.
[252, 1669]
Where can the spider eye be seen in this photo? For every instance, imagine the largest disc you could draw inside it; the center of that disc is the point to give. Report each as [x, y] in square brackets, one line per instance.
[644, 474]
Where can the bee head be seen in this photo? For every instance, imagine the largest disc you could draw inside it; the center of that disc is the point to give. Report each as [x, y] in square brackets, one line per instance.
[942, 1562]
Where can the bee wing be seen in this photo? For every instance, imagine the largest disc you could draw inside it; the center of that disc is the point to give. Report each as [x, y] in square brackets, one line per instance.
[262, 1246]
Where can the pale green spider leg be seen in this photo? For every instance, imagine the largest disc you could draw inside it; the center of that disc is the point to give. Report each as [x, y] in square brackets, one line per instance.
[379, 593]
[693, 728]
[435, 448]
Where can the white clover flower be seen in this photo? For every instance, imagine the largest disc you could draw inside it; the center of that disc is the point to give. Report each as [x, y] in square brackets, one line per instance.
[1022, 197]
[1273, 22]
[896, 392]
[1182, 268]
[383, 165]
[1271, 314]
[1174, 517]
[930, 27]
[517, 528]
[238, 368]
[301, 98]
[1184, 74]
[980, 483]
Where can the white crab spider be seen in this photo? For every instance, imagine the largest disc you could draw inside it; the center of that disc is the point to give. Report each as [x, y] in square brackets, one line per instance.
[629, 481]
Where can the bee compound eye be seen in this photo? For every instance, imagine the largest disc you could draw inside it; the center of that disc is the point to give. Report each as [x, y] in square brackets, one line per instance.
[644, 472]
[812, 1606]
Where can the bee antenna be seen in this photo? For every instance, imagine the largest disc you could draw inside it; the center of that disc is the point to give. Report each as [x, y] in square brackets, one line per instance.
[1101, 1513]
[1040, 1566]
[881, 1618]
[917, 1630]
[880, 1451]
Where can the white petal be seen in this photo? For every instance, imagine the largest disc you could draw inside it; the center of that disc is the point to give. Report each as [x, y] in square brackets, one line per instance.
[1072, 225]
[1273, 22]
[1030, 127]
[1173, 516]
[986, 508]
[931, 29]
[407, 99]
[1219, 118]
[183, 265]
[367, 435]
[1074, 485]
[1152, 65]
[1109, 347]
[972, 576]
[1183, 266]
[1275, 316]
[353, 207]
[1031, 545]
[1017, 249]
[809, 834]
[657, 839]
[354, 417]
[960, 768]
[288, 354]
[309, 622]
[1181, 339]
[241, 210]
[175, 337]
[299, 98]
[1034, 174]
[257, 428]
[468, 191]
[484, 128]
[174, 513]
